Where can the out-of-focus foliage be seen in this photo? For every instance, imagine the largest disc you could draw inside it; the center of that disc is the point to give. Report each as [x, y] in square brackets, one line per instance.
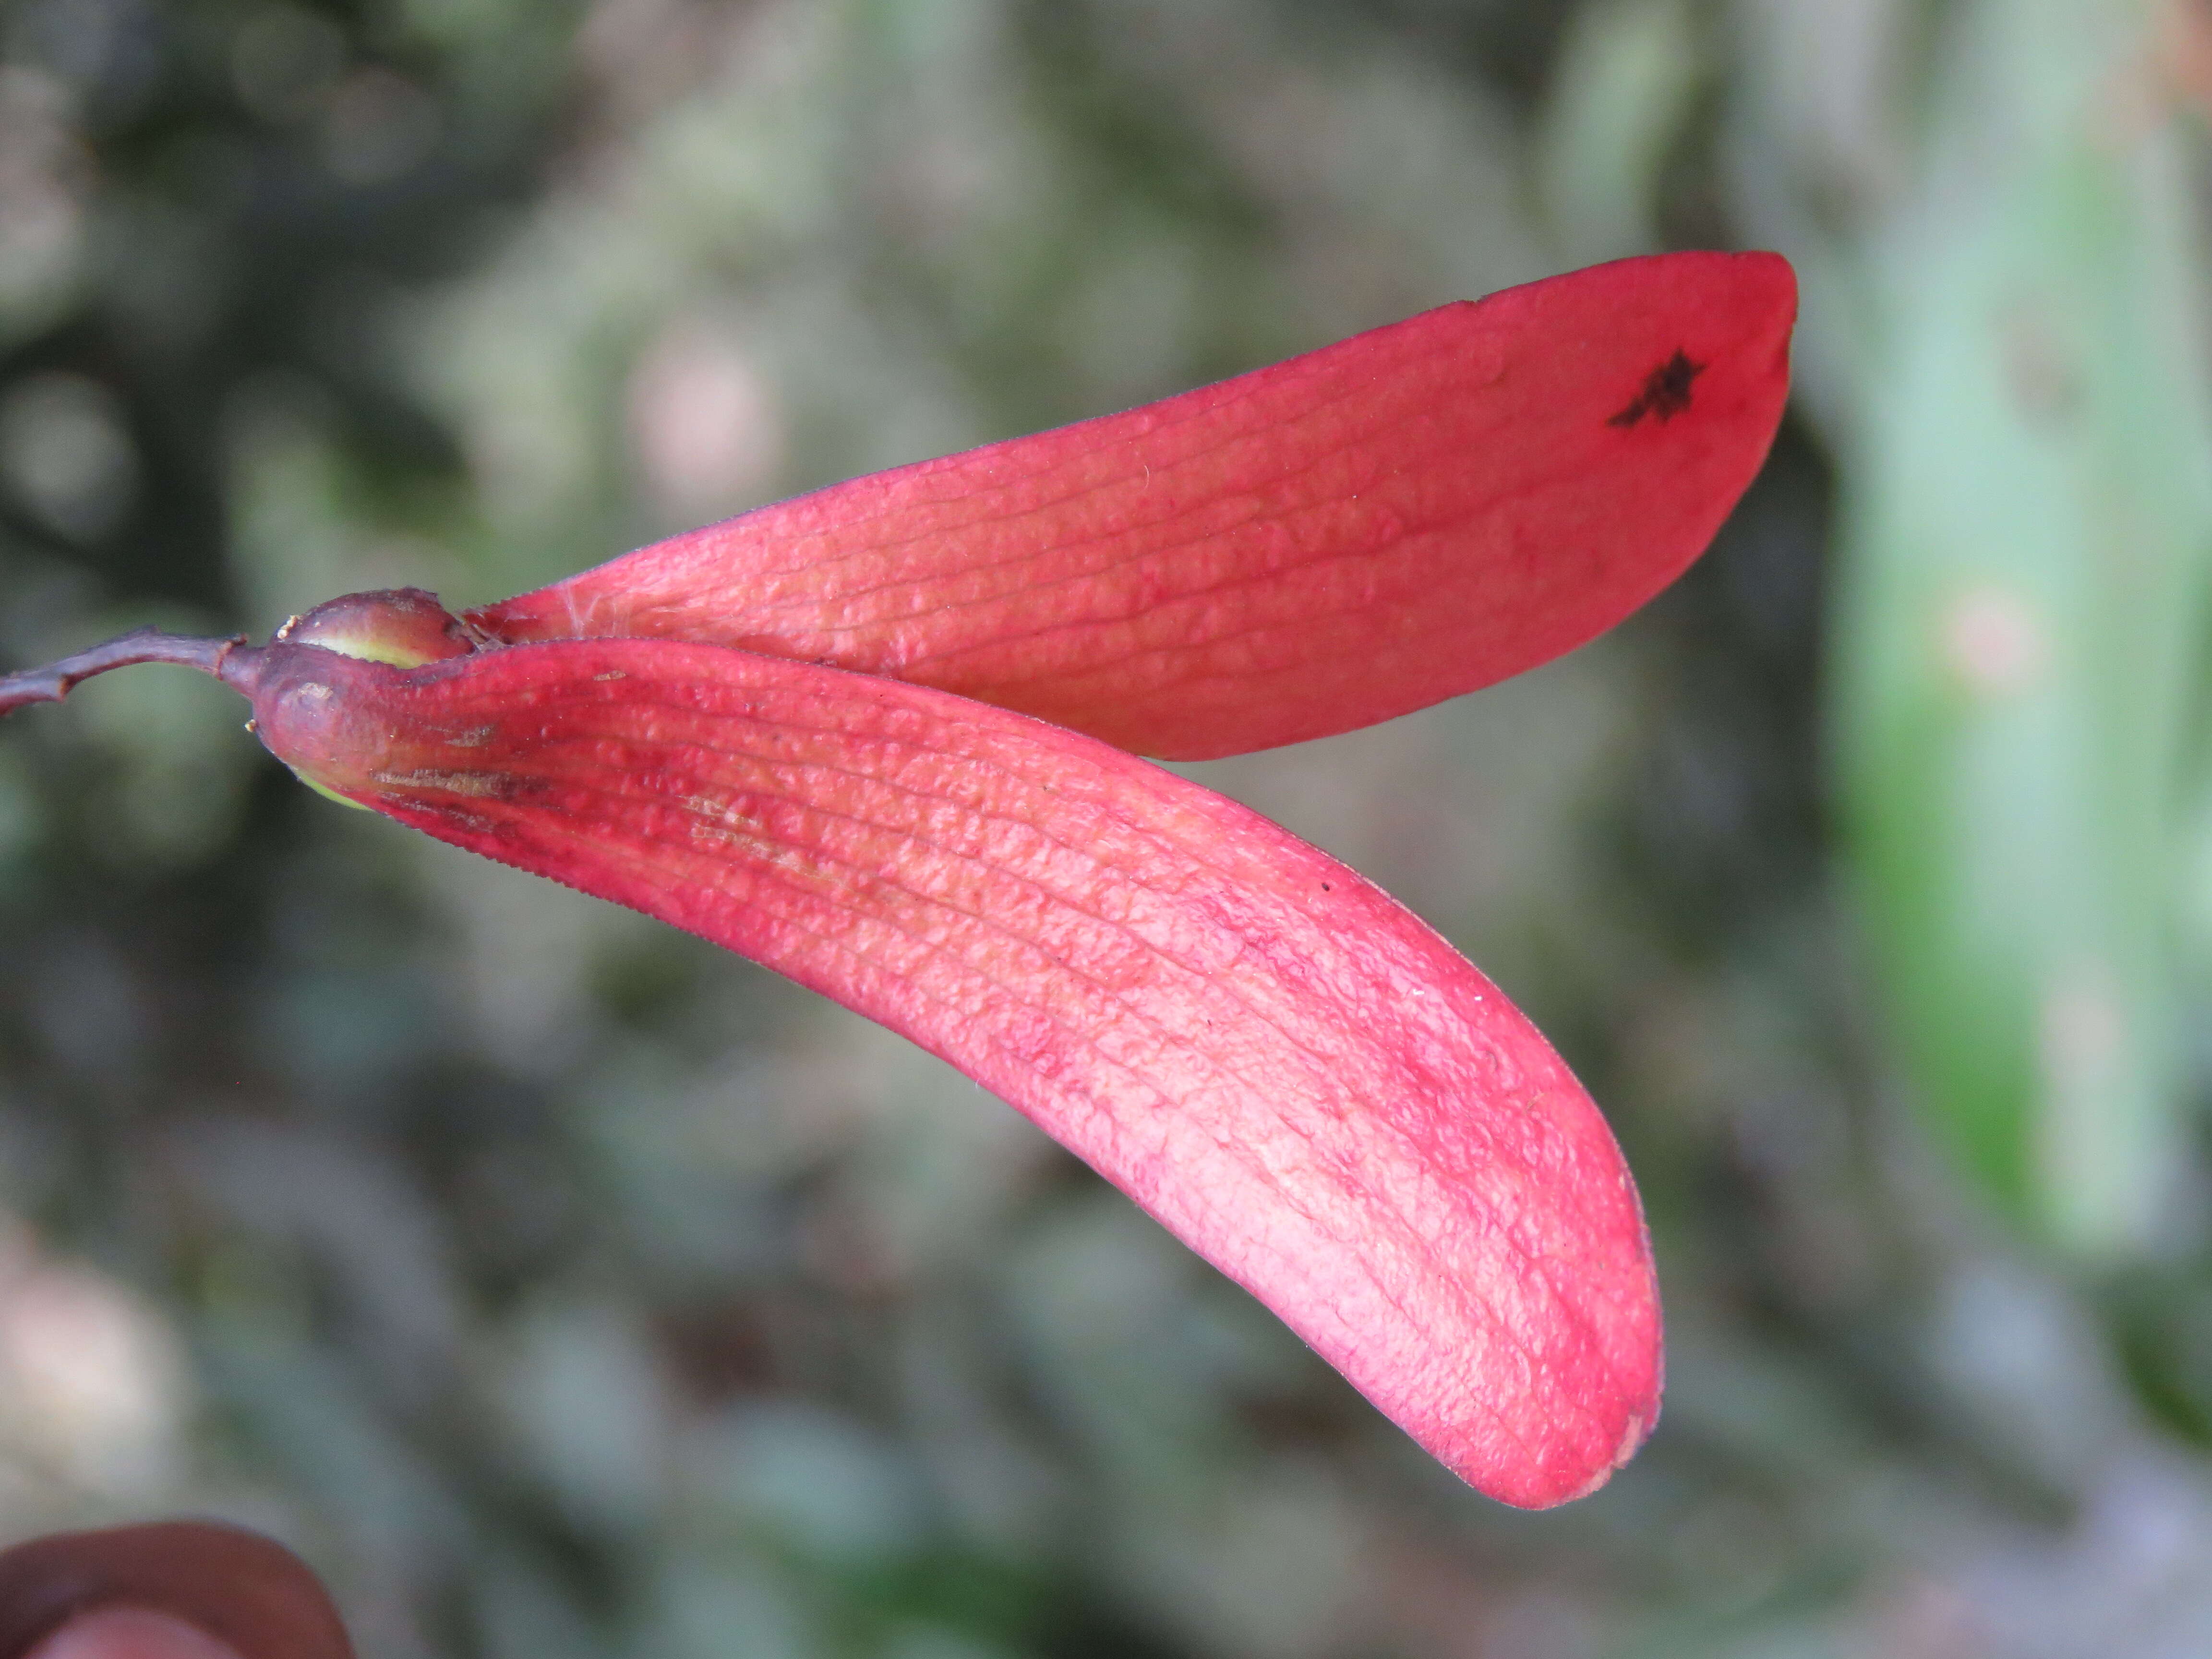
[2019, 407]
[560, 1286]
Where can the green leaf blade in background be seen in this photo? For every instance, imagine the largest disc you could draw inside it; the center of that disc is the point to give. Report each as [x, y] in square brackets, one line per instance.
[2020, 596]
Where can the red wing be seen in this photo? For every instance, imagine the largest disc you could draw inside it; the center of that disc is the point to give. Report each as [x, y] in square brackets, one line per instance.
[1286, 1068]
[1307, 549]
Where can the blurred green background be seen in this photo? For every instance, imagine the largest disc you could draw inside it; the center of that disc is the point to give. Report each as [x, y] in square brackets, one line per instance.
[561, 1286]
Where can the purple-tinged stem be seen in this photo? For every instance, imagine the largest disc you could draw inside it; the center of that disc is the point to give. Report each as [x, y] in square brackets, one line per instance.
[56, 679]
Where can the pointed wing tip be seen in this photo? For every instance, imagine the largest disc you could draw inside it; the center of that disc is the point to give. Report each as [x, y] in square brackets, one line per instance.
[1770, 280]
[1756, 287]
[1767, 305]
[1633, 1434]
[1550, 1484]
[1761, 273]
[1594, 1420]
[1772, 270]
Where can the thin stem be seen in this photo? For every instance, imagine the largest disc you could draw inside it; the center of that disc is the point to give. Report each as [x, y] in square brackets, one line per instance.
[54, 682]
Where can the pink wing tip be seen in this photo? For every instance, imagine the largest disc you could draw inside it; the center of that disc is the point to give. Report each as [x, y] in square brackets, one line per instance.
[1632, 1437]
[1573, 1470]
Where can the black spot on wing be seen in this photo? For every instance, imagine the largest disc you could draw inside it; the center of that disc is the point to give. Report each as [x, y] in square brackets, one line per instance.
[1665, 394]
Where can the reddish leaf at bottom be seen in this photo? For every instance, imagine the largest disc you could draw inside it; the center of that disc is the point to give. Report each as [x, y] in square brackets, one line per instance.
[1287, 1068]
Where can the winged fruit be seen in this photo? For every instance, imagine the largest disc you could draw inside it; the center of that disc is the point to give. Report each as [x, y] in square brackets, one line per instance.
[810, 736]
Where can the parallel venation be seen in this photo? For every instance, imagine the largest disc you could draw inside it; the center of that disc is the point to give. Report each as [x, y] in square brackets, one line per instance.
[1310, 548]
[1286, 1068]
